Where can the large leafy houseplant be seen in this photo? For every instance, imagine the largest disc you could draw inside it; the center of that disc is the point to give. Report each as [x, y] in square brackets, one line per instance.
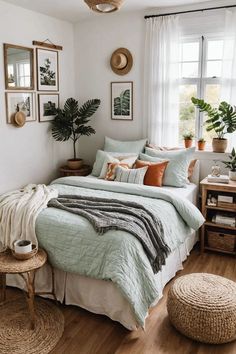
[71, 122]
[222, 120]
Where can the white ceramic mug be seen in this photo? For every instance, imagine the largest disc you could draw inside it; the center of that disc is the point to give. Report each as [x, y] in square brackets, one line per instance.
[23, 246]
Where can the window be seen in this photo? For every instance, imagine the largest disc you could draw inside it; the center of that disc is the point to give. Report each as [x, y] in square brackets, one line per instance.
[200, 71]
[23, 73]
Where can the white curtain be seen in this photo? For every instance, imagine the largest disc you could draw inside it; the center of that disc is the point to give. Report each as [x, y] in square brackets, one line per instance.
[161, 80]
[228, 91]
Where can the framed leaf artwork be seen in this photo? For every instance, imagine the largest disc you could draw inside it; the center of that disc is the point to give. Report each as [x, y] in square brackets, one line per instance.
[122, 100]
[47, 70]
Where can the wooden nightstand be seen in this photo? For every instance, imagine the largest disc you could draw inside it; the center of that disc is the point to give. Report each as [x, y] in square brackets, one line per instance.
[85, 170]
[215, 236]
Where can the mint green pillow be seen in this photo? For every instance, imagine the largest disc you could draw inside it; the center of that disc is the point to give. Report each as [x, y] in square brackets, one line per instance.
[176, 173]
[135, 146]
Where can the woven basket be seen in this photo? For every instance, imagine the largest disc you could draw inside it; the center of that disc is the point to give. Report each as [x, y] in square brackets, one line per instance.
[203, 307]
[221, 241]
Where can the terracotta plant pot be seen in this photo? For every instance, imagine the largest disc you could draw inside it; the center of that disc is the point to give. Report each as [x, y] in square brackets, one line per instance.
[75, 164]
[188, 143]
[232, 175]
[201, 145]
[219, 145]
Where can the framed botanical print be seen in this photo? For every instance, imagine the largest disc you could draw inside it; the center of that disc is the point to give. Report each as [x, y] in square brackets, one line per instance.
[47, 105]
[20, 102]
[47, 70]
[122, 100]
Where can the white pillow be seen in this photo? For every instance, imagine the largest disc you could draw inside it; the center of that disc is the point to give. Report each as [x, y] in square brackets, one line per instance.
[135, 176]
[121, 159]
[134, 146]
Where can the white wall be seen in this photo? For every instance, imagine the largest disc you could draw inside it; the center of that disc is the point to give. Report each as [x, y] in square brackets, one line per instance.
[95, 41]
[29, 154]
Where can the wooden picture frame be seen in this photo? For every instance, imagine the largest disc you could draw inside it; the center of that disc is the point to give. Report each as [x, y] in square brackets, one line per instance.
[20, 101]
[47, 68]
[122, 100]
[47, 102]
[15, 61]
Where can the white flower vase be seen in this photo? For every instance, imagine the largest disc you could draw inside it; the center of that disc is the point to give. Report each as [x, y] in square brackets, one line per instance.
[232, 175]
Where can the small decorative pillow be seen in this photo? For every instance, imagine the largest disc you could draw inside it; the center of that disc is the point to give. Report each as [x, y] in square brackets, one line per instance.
[108, 159]
[155, 172]
[135, 176]
[111, 170]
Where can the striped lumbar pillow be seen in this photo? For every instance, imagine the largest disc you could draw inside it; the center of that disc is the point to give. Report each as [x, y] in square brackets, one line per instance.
[130, 175]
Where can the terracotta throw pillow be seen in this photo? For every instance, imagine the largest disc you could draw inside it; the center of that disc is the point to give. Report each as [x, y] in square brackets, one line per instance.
[155, 172]
[191, 168]
[111, 170]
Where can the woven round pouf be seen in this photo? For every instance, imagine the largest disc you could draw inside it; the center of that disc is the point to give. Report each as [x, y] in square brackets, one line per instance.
[16, 337]
[202, 306]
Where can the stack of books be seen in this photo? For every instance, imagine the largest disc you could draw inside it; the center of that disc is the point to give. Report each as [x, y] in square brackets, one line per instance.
[226, 201]
[220, 179]
[224, 219]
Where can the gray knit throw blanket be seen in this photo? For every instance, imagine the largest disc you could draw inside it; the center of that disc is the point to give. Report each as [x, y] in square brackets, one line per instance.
[111, 214]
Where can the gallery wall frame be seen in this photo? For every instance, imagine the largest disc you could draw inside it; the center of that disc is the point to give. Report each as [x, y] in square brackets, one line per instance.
[20, 102]
[47, 103]
[122, 100]
[47, 68]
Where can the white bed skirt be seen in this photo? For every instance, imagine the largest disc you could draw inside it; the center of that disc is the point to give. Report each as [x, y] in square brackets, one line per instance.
[100, 296]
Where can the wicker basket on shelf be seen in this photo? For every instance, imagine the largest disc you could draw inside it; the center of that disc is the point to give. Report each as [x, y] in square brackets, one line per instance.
[221, 240]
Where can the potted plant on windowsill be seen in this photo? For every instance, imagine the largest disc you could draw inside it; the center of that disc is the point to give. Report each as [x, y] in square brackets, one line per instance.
[71, 123]
[201, 144]
[231, 165]
[188, 139]
[222, 120]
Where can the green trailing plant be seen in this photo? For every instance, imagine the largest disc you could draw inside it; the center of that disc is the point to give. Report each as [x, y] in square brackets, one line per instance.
[188, 136]
[71, 121]
[231, 164]
[222, 119]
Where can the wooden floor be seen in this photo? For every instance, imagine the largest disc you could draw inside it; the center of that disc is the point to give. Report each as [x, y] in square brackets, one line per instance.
[86, 333]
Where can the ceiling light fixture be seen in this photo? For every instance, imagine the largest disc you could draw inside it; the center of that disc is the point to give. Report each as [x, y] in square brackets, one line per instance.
[104, 6]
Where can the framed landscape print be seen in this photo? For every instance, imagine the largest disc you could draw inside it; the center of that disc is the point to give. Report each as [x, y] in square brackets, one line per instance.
[47, 70]
[122, 100]
[20, 102]
[47, 105]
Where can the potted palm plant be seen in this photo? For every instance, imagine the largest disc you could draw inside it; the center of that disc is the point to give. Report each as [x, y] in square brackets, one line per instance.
[201, 144]
[188, 139]
[222, 120]
[231, 165]
[71, 123]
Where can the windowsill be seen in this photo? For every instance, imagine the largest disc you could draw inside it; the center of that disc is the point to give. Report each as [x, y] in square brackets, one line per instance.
[210, 155]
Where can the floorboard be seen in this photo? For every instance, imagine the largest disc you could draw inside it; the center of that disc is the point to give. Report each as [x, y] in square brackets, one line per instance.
[87, 333]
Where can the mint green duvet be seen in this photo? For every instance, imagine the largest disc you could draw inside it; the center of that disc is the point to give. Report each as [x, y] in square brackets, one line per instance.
[73, 245]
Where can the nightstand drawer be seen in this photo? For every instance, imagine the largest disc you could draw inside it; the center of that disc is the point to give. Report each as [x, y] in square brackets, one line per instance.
[221, 240]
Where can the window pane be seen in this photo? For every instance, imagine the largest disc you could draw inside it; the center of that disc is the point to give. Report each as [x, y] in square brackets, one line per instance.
[215, 49]
[212, 96]
[189, 69]
[187, 110]
[214, 68]
[190, 51]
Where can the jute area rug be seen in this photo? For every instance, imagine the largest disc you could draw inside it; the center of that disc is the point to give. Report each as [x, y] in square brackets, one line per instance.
[16, 337]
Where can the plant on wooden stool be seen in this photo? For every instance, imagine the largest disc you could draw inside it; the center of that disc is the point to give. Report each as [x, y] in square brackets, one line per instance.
[71, 123]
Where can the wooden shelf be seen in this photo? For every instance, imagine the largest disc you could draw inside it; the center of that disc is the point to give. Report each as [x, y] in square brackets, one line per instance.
[220, 208]
[219, 250]
[222, 226]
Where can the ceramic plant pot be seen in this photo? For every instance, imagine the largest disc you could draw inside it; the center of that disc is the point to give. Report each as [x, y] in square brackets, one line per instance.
[75, 164]
[201, 145]
[188, 143]
[232, 175]
[219, 145]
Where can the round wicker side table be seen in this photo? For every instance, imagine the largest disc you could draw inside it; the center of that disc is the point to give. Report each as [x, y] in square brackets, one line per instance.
[27, 270]
[202, 306]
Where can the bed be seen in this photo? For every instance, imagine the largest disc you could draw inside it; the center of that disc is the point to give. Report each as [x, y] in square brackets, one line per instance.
[106, 296]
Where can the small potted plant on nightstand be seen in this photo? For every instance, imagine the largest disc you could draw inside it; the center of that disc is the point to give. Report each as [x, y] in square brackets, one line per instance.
[71, 123]
[201, 144]
[188, 139]
[231, 165]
